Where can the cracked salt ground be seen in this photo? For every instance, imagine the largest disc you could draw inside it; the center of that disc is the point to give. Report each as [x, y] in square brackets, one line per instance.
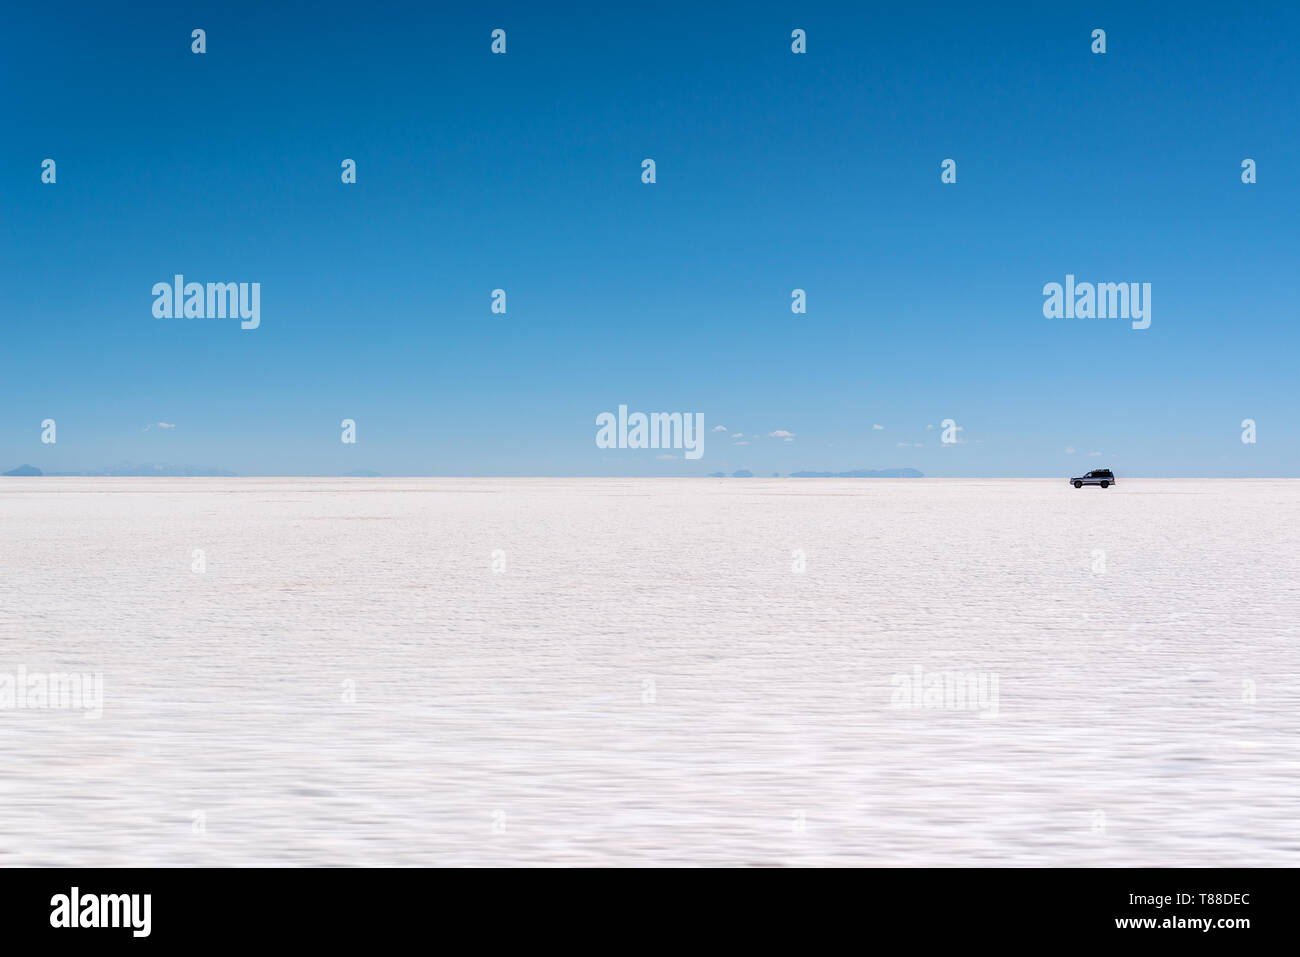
[646, 680]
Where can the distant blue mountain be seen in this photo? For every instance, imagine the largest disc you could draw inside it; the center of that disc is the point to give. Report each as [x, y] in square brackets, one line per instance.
[862, 473]
[132, 469]
[25, 470]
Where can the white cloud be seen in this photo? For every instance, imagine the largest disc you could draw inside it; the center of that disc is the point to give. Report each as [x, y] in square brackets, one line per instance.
[877, 428]
[781, 434]
[159, 425]
[738, 435]
[719, 428]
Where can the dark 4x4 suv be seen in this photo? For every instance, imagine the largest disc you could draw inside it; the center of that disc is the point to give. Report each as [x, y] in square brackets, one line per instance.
[1103, 477]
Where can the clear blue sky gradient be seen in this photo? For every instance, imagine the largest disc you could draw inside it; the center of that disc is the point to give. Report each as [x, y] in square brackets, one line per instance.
[775, 171]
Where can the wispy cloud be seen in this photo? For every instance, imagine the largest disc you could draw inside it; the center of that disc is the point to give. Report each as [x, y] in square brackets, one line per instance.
[781, 434]
[719, 428]
[878, 428]
[160, 425]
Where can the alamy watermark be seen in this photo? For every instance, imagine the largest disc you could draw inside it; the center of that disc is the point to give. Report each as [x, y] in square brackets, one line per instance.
[658, 430]
[946, 691]
[56, 691]
[129, 911]
[1103, 300]
[179, 299]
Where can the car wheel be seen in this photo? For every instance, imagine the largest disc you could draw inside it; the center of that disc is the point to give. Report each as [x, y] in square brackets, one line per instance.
[1078, 485]
[1105, 485]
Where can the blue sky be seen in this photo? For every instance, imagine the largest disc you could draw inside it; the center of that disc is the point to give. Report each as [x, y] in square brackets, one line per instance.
[775, 171]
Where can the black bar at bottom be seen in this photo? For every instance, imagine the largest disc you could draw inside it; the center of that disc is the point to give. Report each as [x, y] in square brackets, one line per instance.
[338, 907]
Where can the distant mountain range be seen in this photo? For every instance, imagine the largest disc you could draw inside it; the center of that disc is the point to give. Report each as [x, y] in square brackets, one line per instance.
[130, 469]
[856, 473]
[133, 470]
[862, 473]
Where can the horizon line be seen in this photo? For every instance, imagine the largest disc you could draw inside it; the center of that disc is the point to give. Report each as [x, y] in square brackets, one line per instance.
[846, 478]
